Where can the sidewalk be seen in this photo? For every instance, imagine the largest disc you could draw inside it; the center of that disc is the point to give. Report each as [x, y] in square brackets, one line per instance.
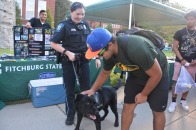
[26, 117]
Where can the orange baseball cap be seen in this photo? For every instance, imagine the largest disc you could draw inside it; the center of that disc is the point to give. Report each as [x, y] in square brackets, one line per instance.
[97, 40]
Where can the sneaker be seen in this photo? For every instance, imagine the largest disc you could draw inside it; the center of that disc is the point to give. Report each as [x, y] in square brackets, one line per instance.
[184, 105]
[69, 122]
[172, 107]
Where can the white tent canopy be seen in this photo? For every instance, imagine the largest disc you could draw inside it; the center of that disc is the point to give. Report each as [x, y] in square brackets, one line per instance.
[141, 12]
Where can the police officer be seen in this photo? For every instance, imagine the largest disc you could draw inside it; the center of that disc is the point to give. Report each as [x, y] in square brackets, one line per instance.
[73, 33]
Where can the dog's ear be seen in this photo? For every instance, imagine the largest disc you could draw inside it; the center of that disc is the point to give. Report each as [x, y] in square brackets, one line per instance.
[92, 98]
[78, 96]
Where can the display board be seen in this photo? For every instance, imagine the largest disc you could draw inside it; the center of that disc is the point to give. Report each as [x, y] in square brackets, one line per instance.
[48, 35]
[36, 42]
[21, 41]
[32, 42]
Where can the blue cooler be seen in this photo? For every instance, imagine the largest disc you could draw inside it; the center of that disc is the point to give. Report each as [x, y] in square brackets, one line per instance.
[46, 92]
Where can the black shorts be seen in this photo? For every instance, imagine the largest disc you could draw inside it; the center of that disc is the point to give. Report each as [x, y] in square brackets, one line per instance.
[157, 99]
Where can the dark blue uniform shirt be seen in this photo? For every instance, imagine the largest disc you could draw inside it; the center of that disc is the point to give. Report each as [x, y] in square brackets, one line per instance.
[73, 36]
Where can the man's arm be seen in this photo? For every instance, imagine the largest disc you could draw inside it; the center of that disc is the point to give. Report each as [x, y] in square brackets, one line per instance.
[155, 74]
[177, 53]
[28, 25]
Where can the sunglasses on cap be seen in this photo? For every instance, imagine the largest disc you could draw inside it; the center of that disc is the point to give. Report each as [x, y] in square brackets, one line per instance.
[103, 50]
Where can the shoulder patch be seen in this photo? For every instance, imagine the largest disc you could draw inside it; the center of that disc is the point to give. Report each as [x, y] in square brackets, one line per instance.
[59, 27]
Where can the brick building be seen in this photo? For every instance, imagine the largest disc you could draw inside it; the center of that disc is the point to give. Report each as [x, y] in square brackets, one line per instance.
[31, 8]
[115, 27]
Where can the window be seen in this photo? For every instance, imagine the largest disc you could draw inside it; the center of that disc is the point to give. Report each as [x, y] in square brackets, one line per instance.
[105, 25]
[20, 5]
[41, 5]
[30, 8]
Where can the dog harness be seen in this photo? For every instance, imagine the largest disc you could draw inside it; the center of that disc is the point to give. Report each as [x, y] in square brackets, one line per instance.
[98, 100]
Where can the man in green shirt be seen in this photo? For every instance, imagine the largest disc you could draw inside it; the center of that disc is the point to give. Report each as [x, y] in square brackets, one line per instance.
[147, 72]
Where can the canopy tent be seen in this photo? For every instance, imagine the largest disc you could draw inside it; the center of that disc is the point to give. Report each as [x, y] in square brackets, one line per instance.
[141, 12]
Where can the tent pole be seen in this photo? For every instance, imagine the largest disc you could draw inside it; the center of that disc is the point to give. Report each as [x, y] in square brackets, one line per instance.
[130, 15]
[130, 20]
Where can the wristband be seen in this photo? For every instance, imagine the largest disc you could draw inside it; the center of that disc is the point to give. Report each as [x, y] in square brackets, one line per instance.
[181, 59]
[64, 51]
[187, 64]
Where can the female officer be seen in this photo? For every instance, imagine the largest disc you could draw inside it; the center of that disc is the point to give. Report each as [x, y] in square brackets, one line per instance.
[73, 33]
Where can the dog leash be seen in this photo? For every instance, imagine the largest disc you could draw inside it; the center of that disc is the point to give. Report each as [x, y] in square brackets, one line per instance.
[77, 78]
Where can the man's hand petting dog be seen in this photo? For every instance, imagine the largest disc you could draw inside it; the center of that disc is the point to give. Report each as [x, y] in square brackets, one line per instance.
[88, 92]
[89, 106]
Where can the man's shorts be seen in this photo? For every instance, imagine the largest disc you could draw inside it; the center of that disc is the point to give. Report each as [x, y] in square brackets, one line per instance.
[190, 69]
[157, 99]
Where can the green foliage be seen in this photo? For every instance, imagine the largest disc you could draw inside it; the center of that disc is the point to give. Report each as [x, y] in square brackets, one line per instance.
[109, 27]
[49, 18]
[115, 76]
[18, 15]
[167, 32]
[61, 8]
[6, 51]
[178, 6]
[169, 53]
[162, 1]
[124, 28]
[98, 25]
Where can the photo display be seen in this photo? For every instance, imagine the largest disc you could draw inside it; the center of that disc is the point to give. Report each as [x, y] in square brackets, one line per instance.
[32, 41]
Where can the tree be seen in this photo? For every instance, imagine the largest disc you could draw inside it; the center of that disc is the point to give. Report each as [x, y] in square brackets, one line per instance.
[178, 6]
[61, 8]
[49, 18]
[109, 27]
[18, 15]
[98, 25]
[173, 4]
[167, 32]
[162, 1]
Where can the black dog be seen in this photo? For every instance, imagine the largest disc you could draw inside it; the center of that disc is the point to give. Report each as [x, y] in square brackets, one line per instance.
[90, 106]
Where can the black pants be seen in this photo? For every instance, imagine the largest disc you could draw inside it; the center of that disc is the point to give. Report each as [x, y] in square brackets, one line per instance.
[83, 72]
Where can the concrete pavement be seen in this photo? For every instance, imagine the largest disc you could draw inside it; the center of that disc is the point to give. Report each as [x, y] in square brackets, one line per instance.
[26, 117]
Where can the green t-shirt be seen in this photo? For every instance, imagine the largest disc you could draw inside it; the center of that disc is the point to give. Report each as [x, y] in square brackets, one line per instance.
[136, 55]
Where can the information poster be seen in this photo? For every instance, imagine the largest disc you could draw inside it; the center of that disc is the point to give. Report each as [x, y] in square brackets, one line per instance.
[20, 41]
[48, 35]
[36, 42]
[32, 42]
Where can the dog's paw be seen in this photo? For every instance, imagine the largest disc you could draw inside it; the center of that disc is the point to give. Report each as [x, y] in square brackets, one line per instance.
[102, 118]
[116, 124]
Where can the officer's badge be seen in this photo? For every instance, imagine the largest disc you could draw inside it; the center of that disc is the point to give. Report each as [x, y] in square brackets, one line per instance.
[59, 27]
[84, 26]
[73, 29]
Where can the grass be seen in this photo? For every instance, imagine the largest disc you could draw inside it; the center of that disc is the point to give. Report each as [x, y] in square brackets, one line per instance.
[6, 51]
[10, 51]
[169, 53]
